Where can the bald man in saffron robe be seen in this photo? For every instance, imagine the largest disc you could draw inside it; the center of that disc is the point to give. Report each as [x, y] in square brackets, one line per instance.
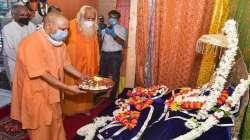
[83, 49]
[38, 80]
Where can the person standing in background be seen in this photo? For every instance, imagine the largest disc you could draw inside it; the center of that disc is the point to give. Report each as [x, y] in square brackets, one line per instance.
[114, 38]
[13, 33]
[35, 17]
[83, 49]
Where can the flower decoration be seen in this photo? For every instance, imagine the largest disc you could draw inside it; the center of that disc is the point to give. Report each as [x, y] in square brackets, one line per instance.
[188, 99]
[213, 119]
[140, 103]
[147, 92]
[219, 101]
[223, 97]
[225, 66]
[128, 119]
[142, 98]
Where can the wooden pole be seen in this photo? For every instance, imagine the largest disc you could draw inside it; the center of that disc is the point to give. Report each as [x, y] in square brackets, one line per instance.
[131, 57]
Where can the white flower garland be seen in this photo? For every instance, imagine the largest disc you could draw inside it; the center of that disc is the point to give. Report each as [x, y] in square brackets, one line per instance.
[161, 91]
[214, 118]
[89, 130]
[224, 69]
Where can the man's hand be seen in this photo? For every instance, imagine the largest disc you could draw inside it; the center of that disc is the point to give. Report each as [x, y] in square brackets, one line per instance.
[110, 31]
[75, 89]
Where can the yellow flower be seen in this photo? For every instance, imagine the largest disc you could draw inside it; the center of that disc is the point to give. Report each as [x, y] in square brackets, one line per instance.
[175, 106]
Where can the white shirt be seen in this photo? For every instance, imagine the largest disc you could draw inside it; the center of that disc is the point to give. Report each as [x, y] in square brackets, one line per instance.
[109, 44]
[13, 33]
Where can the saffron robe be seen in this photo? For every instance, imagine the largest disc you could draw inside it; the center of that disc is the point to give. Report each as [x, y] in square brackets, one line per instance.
[35, 103]
[84, 55]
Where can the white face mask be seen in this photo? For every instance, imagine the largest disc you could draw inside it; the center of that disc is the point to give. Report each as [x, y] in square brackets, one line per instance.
[88, 23]
[54, 42]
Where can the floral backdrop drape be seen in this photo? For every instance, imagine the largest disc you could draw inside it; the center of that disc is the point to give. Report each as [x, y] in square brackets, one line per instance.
[176, 28]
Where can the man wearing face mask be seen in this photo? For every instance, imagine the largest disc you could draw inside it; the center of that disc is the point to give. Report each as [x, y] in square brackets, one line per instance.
[83, 49]
[114, 38]
[13, 33]
[38, 80]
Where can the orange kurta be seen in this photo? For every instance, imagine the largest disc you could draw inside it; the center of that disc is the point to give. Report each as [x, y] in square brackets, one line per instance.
[35, 103]
[84, 54]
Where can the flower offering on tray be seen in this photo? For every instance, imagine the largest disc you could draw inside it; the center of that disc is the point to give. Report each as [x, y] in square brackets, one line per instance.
[96, 84]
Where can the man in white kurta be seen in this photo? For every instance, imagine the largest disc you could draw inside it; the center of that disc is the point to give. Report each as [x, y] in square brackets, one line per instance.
[8, 17]
[13, 33]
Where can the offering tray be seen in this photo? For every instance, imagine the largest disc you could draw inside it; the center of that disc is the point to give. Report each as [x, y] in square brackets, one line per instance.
[96, 84]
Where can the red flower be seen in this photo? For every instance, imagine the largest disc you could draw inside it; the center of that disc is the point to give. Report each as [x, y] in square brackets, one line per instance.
[128, 119]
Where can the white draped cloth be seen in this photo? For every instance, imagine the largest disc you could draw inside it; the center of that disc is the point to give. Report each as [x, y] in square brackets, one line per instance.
[13, 33]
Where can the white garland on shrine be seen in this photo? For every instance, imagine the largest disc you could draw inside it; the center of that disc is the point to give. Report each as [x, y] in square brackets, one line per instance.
[223, 70]
[89, 130]
[214, 118]
[161, 91]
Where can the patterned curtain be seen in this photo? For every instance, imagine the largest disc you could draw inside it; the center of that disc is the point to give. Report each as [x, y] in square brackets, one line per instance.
[142, 37]
[211, 54]
[179, 23]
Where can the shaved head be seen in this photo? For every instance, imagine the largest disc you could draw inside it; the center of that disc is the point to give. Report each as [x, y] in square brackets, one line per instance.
[54, 18]
[54, 21]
